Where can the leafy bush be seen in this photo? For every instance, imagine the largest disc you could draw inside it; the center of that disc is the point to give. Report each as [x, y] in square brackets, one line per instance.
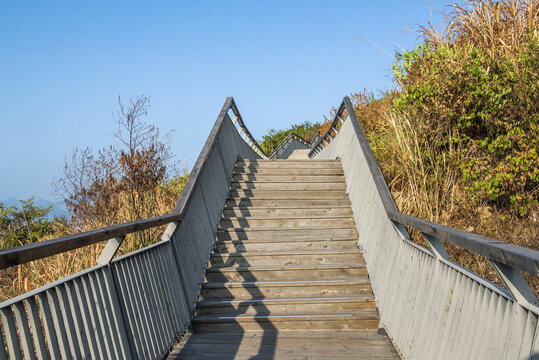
[493, 103]
[28, 224]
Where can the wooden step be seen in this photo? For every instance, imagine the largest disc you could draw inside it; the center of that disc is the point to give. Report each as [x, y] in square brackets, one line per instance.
[312, 345]
[229, 246]
[287, 306]
[259, 177]
[361, 320]
[287, 194]
[286, 272]
[285, 258]
[285, 289]
[324, 232]
[288, 171]
[275, 164]
[259, 185]
[286, 222]
[287, 203]
[269, 212]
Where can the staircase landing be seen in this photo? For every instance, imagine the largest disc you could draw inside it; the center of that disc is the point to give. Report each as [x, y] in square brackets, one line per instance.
[285, 280]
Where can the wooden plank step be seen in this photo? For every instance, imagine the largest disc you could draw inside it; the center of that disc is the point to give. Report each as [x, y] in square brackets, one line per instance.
[325, 232]
[285, 289]
[332, 178]
[286, 222]
[361, 320]
[286, 273]
[287, 306]
[288, 171]
[359, 345]
[308, 164]
[229, 246]
[285, 258]
[287, 194]
[284, 203]
[269, 212]
[258, 185]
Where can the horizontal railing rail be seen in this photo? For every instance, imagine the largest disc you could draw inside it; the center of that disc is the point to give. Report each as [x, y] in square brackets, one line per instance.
[42, 249]
[518, 257]
[244, 132]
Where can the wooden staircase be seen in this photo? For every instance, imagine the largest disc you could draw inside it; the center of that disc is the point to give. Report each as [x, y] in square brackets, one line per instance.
[286, 279]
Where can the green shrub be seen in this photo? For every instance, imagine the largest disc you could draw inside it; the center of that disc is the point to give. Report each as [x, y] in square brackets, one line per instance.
[492, 103]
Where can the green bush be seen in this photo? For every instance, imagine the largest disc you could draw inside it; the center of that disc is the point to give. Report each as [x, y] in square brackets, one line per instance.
[492, 103]
[28, 224]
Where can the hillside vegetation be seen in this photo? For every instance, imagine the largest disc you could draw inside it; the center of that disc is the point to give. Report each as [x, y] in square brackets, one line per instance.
[133, 180]
[457, 140]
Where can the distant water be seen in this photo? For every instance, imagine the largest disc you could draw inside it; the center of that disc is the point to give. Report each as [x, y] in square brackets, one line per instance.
[58, 208]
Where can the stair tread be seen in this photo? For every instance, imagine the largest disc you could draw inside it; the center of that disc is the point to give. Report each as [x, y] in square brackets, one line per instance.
[348, 216]
[284, 240]
[303, 228]
[291, 253]
[365, 314]
[286, 267]
[294, 207]
[284, 301]
[248, 284]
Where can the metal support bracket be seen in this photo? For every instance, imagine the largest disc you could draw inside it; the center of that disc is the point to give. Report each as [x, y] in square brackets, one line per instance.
[517, 286]
[171, 227]
[436, 246]
[110, 250]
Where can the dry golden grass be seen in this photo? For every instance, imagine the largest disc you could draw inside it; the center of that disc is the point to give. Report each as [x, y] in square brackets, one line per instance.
[17, 280]
[496, 27]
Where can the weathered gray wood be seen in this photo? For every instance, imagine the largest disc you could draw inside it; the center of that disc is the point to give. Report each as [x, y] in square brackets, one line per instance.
[41, 249]
[455, 304]
[111, 248]
[286, 273]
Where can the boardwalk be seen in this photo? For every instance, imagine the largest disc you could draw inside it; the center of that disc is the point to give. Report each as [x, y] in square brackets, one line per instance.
[286, 280]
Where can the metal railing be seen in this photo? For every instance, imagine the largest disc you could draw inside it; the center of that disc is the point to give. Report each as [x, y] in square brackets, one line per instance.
[430, 306]
[290, 143]
[139, 304]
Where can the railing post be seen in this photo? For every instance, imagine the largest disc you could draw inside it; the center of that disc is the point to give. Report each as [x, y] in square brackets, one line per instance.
[516, 284]
[110, 249]
[436, 246]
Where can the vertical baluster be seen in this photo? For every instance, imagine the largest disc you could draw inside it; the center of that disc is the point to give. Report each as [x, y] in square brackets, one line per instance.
[48, 326]
[35, 324]
[24, 331]
[3, 354]
[11, 333]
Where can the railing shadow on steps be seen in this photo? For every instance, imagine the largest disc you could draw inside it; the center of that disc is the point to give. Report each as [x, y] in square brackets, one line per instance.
[431, 307]
[139, 304]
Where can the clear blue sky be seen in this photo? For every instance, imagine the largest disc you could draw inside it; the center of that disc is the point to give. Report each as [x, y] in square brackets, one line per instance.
[63, 64]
